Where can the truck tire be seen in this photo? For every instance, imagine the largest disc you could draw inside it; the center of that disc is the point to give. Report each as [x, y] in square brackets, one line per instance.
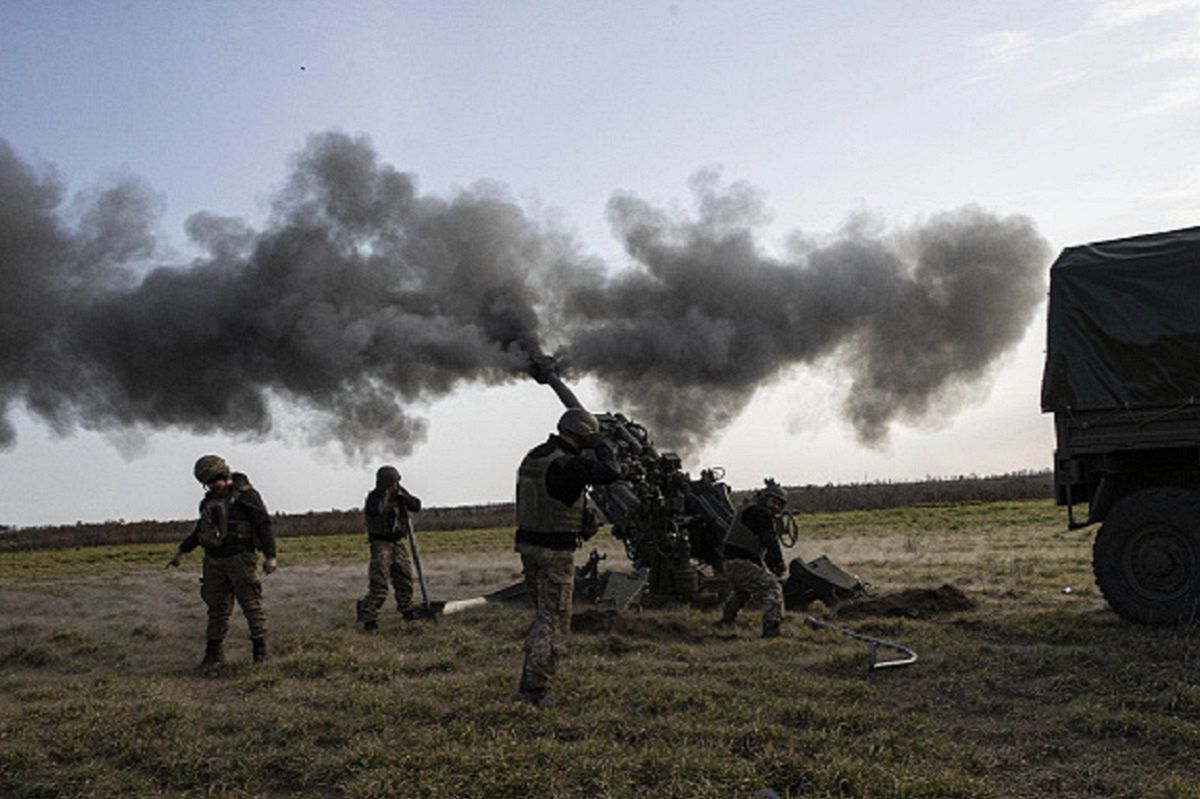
[1146, 556]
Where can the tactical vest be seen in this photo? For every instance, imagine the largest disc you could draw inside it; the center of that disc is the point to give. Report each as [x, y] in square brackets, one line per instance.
[742, 537]
[392, 523]
[537, 511]
[222, 520]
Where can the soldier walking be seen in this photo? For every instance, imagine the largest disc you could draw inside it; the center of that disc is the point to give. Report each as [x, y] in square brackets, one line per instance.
[751, 547]
[388, 529]
[233, 524]
[552, 515]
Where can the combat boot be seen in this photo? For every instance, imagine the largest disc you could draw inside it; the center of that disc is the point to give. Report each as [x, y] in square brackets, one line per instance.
[540, 700]
[533, 696]
[214, 653]
[370, 626]
[536, 698]
[770, 629]
[360, 611]
[259, 649]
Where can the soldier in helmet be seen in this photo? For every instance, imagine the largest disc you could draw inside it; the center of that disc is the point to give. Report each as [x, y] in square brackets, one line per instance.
[388, 528]
[552, 515]
[233, 524]
[751, 548]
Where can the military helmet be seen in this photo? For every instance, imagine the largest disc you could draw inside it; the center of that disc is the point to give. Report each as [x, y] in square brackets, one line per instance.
[386, 476]
[578, 423]
[772, 489]
[209, 468]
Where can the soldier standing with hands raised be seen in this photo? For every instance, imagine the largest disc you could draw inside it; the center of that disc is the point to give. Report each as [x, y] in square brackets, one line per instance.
[552, 513]
[389, 527]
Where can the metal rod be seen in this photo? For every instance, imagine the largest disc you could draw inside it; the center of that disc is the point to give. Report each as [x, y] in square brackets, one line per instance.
[873, 662]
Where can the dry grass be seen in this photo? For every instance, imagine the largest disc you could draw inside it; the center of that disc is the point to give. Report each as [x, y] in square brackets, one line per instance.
[1033, 693]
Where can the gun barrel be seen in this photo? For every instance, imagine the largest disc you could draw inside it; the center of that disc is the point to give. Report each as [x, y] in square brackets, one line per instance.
[565, 395]
[544, 369]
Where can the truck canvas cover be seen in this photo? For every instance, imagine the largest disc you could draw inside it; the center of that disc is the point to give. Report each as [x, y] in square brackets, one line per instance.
[1124, 324]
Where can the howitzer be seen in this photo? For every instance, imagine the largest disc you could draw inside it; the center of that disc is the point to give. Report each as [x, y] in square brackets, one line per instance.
[672, 526]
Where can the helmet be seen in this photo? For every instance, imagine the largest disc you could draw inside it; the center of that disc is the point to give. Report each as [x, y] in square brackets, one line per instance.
[209, 468]
[386, 476]
[772, 489]
[578, 423]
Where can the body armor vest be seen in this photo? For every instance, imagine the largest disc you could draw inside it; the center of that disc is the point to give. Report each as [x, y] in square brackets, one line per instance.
[392, 523]
[537, 511]
[742, 537]
[222, 520]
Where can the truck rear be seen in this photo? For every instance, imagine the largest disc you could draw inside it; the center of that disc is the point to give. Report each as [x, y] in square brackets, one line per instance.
[1122, 378]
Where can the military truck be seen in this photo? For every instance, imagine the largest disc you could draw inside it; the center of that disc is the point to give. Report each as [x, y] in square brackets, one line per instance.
[1122, 378]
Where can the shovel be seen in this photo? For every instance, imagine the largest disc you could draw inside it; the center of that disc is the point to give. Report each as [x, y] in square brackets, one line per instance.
[431, 610]
[427, 609]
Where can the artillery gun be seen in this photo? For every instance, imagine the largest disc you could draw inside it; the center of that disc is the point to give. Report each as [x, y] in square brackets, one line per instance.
[671, 525]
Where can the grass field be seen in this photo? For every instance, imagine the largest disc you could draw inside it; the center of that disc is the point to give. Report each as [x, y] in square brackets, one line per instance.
[1032, 692]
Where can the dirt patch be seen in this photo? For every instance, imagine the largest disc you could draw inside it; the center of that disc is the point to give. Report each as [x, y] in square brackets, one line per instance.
[913, 603]
[634, 625]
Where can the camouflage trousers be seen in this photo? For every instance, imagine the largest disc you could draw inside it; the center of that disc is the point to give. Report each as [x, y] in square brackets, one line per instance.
[390, 561]
[550, 575]
[749, 580]
[225, 579]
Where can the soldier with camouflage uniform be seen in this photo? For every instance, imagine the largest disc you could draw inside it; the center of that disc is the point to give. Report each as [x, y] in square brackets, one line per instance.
[751, 547]
[552, 515]
[233, 524]
[388, 529]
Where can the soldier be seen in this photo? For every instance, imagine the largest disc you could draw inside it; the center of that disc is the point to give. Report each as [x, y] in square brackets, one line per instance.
[233, 523]
[552, 516]
[388, 528]
[751, 547]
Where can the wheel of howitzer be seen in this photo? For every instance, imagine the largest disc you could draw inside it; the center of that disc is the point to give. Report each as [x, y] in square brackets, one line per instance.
[1147, 556]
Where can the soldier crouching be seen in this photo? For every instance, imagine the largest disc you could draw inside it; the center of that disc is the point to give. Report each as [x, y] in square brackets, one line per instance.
[751, 546]
[388, 530]
[233, 524]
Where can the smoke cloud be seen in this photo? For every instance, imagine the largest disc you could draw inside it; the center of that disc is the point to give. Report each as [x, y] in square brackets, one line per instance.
[362, 299]
[913, 316]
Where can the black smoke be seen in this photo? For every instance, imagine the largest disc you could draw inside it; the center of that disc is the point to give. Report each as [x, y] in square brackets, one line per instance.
[707, 317]
[362, 299]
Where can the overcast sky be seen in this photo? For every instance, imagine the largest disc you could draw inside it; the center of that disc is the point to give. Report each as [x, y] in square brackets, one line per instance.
[1082, 115]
